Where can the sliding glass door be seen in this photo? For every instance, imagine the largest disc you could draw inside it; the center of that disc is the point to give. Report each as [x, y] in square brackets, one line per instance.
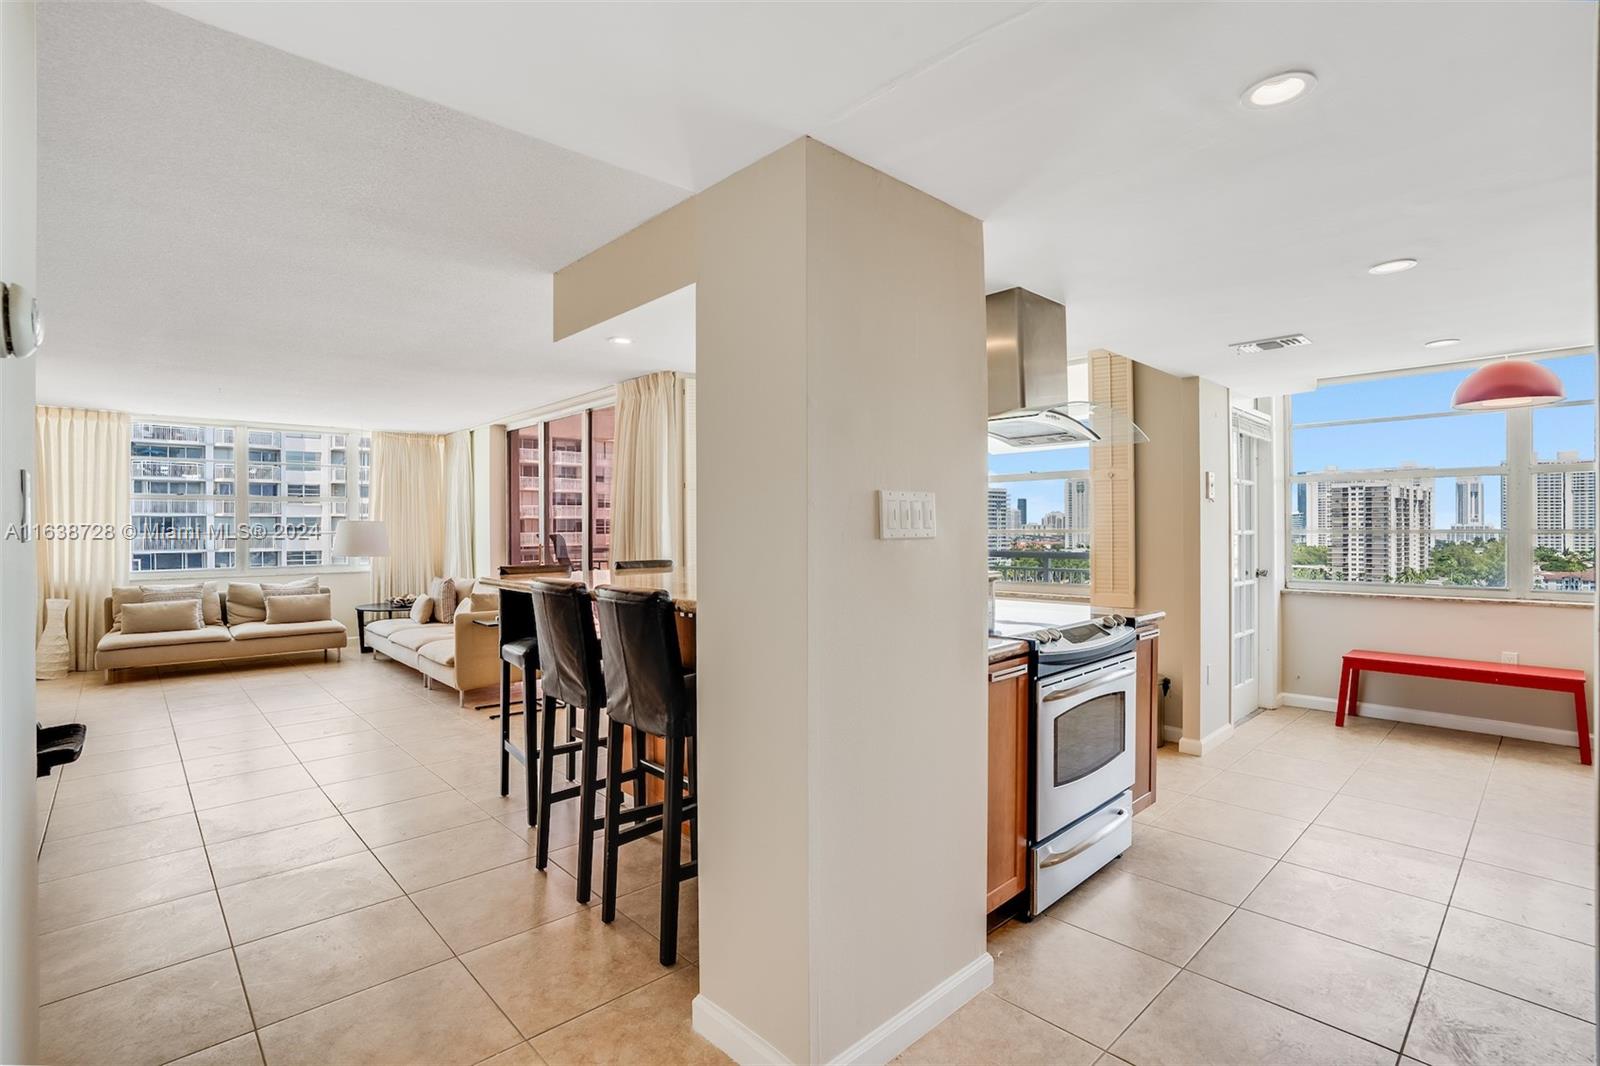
[560, 480]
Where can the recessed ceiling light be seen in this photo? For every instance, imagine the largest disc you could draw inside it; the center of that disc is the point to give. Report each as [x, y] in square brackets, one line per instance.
[1279, 89]
[1442, 342]
[620, 340]
[1391, 266]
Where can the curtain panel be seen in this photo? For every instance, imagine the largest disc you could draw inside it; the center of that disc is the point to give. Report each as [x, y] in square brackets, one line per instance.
[408, 497]
[81, 460]
[458, 527]
[647, 508]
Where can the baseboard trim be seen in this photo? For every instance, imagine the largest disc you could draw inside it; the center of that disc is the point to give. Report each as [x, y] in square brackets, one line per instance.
[1442, 719]
[746, 1047]
[919, 1017]
[1209, 742]
[731, 1036]
[1173, 733]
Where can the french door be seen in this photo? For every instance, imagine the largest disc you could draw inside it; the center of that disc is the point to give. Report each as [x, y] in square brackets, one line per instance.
[1251, 438]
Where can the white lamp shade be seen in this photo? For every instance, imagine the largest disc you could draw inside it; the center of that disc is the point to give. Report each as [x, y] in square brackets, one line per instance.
[359, 538]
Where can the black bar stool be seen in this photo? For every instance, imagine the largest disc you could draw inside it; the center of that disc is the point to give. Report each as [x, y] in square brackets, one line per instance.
[569, 665]
[651, 693]
[519, 649]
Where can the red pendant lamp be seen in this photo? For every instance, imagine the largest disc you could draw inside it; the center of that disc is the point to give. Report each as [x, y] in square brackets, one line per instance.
[1507, 384]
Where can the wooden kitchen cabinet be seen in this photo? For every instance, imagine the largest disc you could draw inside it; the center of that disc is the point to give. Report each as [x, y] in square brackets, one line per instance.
[1147, 728]
[1009, 716]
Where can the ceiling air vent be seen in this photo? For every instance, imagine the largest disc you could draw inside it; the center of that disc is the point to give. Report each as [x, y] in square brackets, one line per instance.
[1270, 344]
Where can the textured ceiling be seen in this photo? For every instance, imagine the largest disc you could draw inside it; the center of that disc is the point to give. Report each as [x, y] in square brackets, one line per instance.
[227, 231]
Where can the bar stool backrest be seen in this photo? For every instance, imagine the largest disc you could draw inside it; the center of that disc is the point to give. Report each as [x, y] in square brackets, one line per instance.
[643, 662]
[643, 566]
[516, 616]
[569, 647]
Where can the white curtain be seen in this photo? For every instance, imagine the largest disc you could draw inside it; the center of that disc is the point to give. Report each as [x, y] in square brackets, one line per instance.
[458, 532]
[647, 509]
[408, 497]
[81, 464]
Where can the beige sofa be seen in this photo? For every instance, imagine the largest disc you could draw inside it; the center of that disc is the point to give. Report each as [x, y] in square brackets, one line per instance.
[459, 653]
[213, 643]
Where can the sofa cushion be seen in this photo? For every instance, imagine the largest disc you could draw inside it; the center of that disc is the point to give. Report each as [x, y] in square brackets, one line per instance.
[421, 610]
[121, 596]
[307, 607]
[442, 652]
[258, 630]
[116, 640]
[247, 599]
[165, 616]
[417, 636]
[385, 627]
[209, 594]
[442, 591]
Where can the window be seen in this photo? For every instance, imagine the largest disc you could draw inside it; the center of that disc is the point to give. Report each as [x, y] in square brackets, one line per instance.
[1038, 519]
[185, 501]
[1390, 487]
[560, 485]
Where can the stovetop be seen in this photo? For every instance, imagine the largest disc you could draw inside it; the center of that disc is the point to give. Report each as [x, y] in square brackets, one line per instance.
[1080, 642]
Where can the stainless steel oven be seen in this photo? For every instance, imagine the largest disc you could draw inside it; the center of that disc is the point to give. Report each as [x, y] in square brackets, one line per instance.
[1083, 773]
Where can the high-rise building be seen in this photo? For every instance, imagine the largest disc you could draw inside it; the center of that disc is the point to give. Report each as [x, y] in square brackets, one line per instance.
[1077, 496]
[1469, 503]
[1379, 530]
[1564, 502]
[1054, 520]
[999, 517]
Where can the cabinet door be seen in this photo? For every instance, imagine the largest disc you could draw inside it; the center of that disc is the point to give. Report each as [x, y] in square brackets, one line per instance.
[1147, 731]
[1008, 781]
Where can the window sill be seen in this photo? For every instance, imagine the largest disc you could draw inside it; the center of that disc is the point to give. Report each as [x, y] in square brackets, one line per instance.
[258, 574]
[1432, 598]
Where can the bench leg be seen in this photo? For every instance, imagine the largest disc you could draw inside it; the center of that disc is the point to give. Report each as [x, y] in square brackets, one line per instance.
[1580, 706]
[1344, 693]
[1355, 692]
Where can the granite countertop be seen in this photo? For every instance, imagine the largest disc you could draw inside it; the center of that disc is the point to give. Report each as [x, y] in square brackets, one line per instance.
[1003, 648]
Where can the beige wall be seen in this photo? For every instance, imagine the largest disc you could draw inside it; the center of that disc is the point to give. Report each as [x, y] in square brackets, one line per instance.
[1319, 627]
[490, 523]
[840, 330]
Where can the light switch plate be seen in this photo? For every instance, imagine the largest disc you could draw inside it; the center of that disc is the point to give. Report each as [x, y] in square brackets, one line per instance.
[906, 515]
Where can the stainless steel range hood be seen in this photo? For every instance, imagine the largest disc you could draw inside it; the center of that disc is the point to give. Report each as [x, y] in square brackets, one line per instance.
[1030, 402]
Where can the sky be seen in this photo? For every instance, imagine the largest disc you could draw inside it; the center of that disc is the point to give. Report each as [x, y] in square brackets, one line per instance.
[1042, 496]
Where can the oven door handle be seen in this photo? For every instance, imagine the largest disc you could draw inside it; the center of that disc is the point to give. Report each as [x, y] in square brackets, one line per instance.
[1055, 858]
[1095, 682]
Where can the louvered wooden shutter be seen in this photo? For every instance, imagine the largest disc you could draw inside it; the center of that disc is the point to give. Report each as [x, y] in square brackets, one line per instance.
[1111, 561]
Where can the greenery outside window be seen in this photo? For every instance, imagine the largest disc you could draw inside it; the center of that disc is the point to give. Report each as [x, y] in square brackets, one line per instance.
[1038, 520]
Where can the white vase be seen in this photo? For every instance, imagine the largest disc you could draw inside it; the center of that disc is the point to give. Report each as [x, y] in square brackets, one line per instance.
[53, 657]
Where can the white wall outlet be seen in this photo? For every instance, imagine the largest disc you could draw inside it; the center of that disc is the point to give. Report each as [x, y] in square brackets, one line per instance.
[1509, 657]
[906, 515]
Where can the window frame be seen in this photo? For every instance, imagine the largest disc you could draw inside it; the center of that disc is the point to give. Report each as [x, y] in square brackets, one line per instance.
[242, 547]
[1042, 590]
[1517, 487]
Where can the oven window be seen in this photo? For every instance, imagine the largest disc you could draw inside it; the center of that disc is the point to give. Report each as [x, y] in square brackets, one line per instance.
[1090, 735]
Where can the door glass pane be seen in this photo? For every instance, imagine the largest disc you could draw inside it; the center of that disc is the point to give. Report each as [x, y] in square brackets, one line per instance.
[567, 519]
[602, 448]
[1090, 735]
[526, 544]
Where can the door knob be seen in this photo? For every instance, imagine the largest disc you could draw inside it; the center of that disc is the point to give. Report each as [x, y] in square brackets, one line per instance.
[1261, 572]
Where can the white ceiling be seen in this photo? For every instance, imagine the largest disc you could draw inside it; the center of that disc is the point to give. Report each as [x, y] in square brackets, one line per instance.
[1103, 144]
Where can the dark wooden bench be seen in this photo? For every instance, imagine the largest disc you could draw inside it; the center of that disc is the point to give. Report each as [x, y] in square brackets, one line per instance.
[1543, 678]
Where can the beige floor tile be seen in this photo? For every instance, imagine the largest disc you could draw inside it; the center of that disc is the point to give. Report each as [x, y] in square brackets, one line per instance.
[1548, 970]
[301, 715]
[1199, 866]
[1470, 766]
[69, 856]
[360, 764]
[425, 861]
[119, 785]
[1377, 918]
[249, 721]
[319, 963]
[988, 1031]
[1199, 1021]
[1461, 1023]
[1083, 983]
[323, 728]
[648, 1025]
[278, 850]
[102, 893]
[291, 697]
[1349, 987]
[84, 957]
[257, 784]
[158, 736]
[1421, 791]
[1399, 867]
[638, 865]
[347, 742]
[1264, 794]
[229, 743]
[1399, 825]
[436, 1015]
[1559, 860]
[99, 760]
[1536, 902]
[563, 823]
[272, 904]
[1292, 769]
[1145, 915]
[644, 908]
[1527, 811]
[221, 824]
[240, 1051]
[233, 763]
[562, 969]
[1235, 827]
[154, 1018]
[118, 811]
[394, 822]
[375, 791]
[497, 903]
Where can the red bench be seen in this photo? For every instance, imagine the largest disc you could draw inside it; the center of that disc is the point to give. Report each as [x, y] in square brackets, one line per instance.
[1544, 678]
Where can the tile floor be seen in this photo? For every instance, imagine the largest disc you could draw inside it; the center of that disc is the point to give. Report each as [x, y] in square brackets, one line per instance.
[310, 862]
[1375, 894]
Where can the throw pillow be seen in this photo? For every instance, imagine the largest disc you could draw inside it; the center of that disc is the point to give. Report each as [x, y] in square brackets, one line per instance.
[210, 599]
[245, 603]
[299, 607]
[422, 609]
[442, 591]
[121, 596]
[167, 616]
